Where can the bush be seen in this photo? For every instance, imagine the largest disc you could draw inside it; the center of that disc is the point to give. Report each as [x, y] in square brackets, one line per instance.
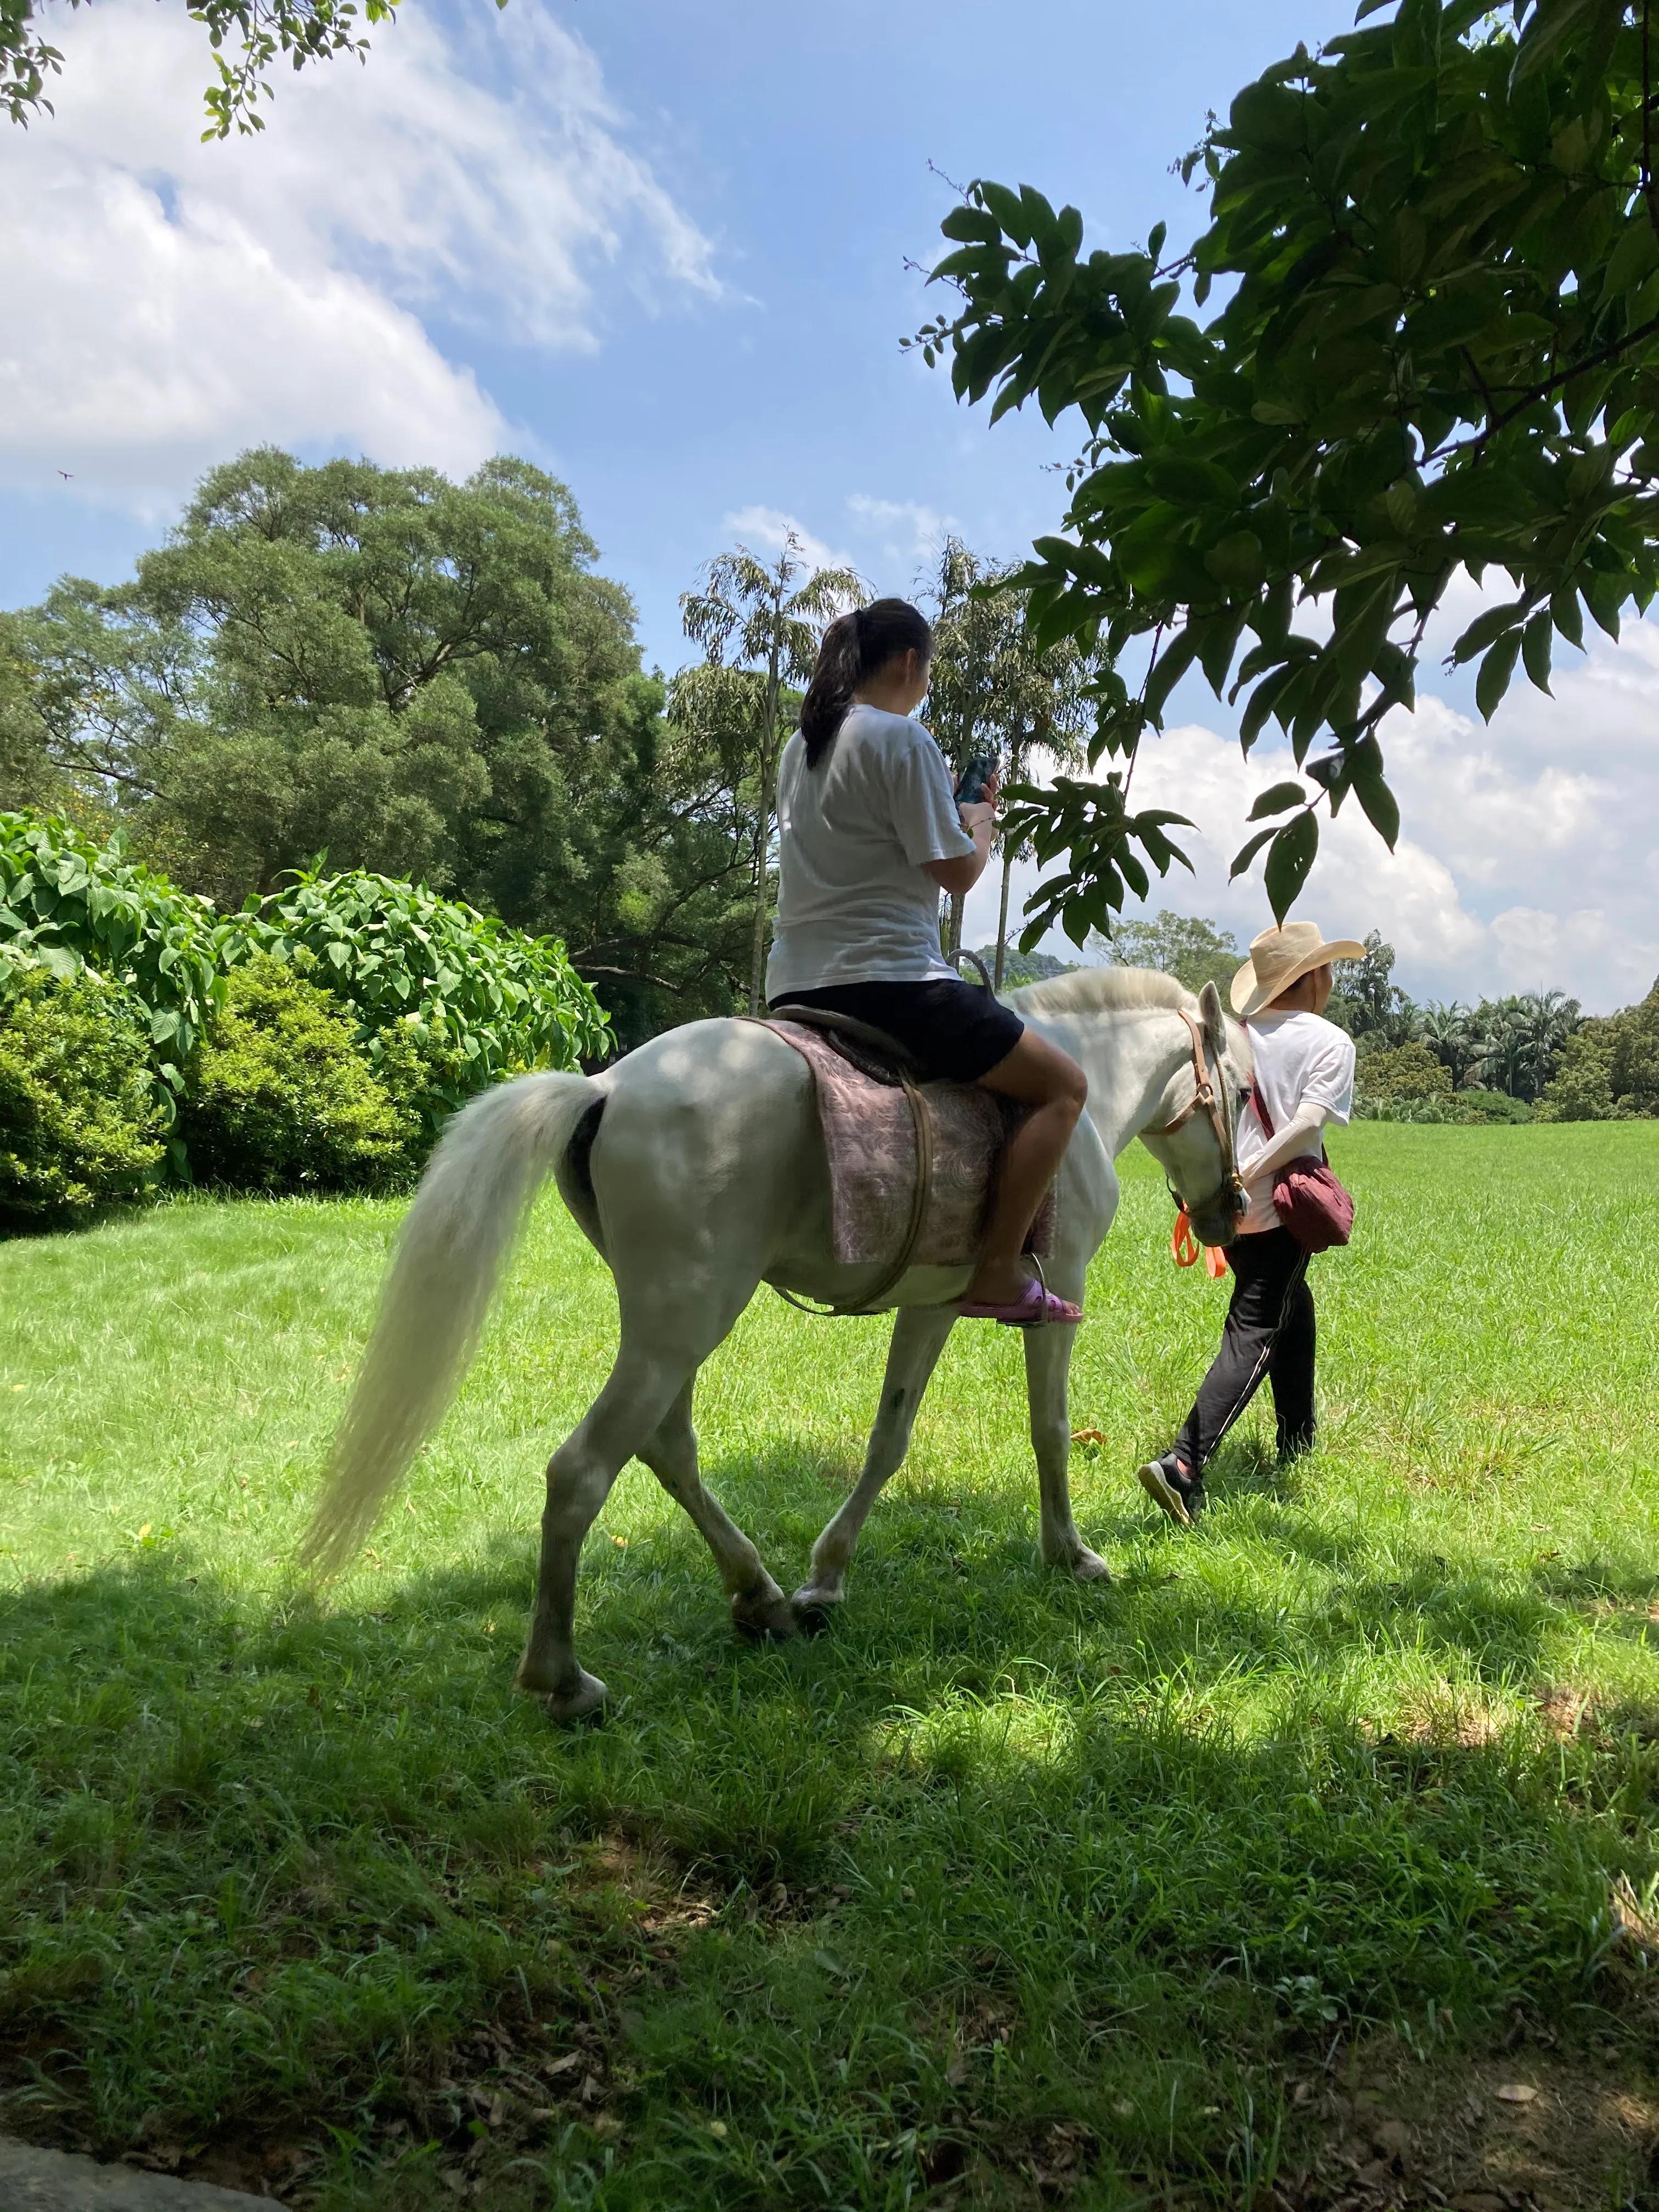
[80, 1124]
[278, 1099]
[1609, 1070]
[473, 1000]
[1402, 1074]
[1497, 1106]
[69, 901]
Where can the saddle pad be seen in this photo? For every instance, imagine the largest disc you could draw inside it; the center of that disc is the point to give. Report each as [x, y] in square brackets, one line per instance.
[870, 1140]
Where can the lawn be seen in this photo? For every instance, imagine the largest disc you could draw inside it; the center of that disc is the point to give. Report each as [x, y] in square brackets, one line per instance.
[1270, 1867]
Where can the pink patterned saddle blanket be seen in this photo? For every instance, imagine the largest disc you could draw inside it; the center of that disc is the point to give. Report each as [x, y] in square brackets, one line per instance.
[870, 1139]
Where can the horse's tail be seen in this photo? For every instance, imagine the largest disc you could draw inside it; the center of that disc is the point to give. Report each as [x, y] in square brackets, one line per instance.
[466, 1217]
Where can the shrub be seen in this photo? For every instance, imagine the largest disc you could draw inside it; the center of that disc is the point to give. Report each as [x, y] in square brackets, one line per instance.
[1402, 1074]
[1497, 1106]
[79, 1125]
[473, 1000]
[69, 901]
[278, 1099]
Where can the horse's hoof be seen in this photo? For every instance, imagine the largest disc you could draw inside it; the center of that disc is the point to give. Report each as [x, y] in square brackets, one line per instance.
[757, 1616]
[1084, 1565]
[585, 1699]
[812, 1605]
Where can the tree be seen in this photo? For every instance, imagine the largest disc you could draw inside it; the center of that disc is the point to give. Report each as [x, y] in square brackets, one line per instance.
[1195, 952]
[1450, 1033]
[1401, 1075]
[1365, 1003]
[422, 679]
[301, 30]
[993, 690]
[754, 619]
[1608, 1068]
[1520, 1040]
[1437, 242]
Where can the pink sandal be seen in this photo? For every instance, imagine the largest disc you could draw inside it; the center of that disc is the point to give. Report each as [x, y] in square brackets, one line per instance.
[1035, 1308]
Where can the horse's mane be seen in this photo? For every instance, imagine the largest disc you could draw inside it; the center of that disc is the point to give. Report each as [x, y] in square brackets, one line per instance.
[1103, 991]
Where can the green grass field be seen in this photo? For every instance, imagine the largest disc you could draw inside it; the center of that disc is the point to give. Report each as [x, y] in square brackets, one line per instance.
[1314, 1825]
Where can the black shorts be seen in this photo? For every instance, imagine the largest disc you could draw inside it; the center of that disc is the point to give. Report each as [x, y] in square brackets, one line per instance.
[956, 1031]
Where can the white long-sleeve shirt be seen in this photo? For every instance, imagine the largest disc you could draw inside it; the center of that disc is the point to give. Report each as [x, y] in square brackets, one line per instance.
[1304, 1065]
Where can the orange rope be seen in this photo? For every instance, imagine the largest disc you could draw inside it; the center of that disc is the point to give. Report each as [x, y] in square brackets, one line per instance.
[1184, 1249]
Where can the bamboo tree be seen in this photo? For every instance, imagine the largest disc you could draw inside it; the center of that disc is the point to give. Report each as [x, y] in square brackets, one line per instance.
[766, 618]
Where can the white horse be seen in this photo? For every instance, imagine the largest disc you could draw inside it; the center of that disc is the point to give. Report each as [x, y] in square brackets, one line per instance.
[697, 1169]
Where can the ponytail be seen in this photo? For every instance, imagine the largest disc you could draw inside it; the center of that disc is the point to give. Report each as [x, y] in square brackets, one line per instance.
[855, 647]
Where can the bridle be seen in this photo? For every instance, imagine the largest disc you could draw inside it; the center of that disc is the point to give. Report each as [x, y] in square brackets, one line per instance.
[1205, 1098]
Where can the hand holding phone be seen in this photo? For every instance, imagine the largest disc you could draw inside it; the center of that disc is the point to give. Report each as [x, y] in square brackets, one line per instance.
[977, 784]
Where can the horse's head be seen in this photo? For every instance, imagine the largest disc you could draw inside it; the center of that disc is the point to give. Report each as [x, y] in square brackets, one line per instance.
[1193, 1137]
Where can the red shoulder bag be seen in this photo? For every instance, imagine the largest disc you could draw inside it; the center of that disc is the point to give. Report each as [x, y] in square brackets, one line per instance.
[1309, 1201]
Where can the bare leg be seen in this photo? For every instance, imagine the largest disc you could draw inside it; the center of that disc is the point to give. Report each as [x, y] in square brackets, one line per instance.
[1041, 1076]
[639, 1392]
[919, 1335]
[1048, 1364]
[757, 1603]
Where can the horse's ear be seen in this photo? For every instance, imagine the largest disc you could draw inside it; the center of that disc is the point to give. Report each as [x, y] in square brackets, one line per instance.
[1215, 1024]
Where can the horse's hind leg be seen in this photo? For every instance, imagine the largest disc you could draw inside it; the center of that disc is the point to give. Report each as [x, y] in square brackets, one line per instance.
[640, 1390]
[758, 1604]
[919, 1335]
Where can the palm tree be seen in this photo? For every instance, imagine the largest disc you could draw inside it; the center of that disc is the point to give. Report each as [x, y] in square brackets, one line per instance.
[766, 620]
[1451, 1035]
[994, 691]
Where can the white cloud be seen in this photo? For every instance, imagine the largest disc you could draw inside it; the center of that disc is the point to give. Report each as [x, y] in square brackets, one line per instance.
[169, 301]
[909, 529]
[768, 529]
[1526, 856]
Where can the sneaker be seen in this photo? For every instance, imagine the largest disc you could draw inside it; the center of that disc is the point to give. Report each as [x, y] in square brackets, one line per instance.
[1171, 1485]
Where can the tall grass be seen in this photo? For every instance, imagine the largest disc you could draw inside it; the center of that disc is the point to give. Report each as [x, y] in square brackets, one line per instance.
[1004, 1890]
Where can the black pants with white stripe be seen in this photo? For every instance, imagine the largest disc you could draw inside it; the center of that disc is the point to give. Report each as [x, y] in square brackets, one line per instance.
[1269, 1334]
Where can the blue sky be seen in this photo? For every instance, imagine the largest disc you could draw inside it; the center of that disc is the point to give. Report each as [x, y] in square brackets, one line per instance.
[663, 253]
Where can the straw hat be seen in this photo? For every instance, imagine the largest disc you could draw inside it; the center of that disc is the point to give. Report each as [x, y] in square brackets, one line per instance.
[1278, 957]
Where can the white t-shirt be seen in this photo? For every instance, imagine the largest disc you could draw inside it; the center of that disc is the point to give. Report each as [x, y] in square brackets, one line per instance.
[1301, 1060]
[853, 904]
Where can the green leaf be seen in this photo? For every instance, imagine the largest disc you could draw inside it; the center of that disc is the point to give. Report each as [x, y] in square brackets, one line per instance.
[1381, 808]
[1496, 670]
[1535, 648]
[1288, 858]
[1248, 852]
[1276, 800]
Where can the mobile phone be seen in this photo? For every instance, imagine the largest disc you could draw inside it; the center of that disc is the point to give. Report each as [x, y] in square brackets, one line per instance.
[970, 786]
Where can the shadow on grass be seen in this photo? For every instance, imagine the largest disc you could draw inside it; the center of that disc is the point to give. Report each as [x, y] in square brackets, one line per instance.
[271, 1866]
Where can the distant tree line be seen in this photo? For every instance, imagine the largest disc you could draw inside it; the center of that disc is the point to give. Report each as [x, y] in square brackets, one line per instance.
[1499, 1059]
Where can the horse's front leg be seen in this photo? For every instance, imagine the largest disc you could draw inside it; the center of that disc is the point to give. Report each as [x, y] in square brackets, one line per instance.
[919, 1335]
[1047, 1367]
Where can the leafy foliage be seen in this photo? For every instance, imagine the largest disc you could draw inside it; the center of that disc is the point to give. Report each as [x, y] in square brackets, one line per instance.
[67, 902]
[445, 999]
[759, 624]
[421, 678]
[299, 31]
[992, 688]
[79, 1125]
[1194, 951]
[1399, 1072]
[1608, 1070]
[279, 1099]
[1438, 246]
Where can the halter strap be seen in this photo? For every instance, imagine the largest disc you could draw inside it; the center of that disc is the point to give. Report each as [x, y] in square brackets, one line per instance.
[1204, 1096]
